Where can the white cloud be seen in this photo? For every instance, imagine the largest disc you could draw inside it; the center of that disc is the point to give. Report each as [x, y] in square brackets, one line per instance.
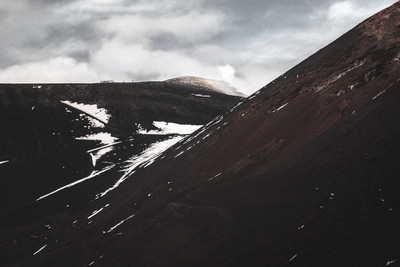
[162, 39]
[341, 11]
[191, 27]
[226, 73]
[349, 12]
[60, 69]
[122, 60]
[276, 50]
[343, 15]
[252, 77]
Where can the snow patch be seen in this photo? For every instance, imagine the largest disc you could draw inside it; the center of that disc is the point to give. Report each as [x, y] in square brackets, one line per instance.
[104, 138]
[216, 120]
[292, 258]
[94, 213]
[92, 175]
[93, 110]
[396, 58]
[92, 122]
[281, 107]
[390, 262]
[93, 262]
[200, 95]
[179, 154]
[215, 176]
[378, 95]
[235, 107]
[99, 154]
[339, 76]
[108, 145]
[145, 159]
[121, 222]
[206, 136]
[203, 129]
[171, 128]
[40, 249]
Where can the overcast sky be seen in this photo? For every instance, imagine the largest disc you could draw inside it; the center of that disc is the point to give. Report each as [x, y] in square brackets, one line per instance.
[246, 43]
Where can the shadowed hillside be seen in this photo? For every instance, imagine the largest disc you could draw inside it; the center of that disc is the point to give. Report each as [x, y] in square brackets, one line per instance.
[55, 135]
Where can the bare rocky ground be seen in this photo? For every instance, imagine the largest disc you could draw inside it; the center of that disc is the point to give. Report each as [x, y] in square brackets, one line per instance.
[47, 144]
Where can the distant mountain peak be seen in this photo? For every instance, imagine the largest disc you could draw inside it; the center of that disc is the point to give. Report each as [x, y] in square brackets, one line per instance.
[208, 84]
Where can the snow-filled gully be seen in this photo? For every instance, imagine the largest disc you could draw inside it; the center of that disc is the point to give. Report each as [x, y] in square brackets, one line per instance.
[171, 128]
[121, 222]
[92, 175]
[100, 114]
[143, 160]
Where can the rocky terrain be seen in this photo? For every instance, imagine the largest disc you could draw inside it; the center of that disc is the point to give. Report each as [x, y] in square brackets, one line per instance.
[302, 173]
[57, 136]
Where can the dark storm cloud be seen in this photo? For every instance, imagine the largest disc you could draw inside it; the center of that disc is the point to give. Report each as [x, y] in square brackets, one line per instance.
[245, 43]
[83, 31]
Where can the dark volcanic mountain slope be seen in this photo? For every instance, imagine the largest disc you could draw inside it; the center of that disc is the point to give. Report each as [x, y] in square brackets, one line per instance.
[303, 173]
[144, 102]
[48, 146]
[35, 123]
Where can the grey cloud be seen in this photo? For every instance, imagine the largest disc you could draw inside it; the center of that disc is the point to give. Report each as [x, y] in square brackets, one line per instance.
[66, 32]
[167, 41]
[53, 2]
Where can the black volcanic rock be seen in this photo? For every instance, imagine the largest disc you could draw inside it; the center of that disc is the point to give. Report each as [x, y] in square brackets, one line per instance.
[35, 123]
[302, 173]
[144, 102]
[45, 146]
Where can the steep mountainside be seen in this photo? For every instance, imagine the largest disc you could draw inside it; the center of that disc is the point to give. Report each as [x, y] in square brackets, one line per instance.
[141, 102]
[29, 113]
[302, 173]
[60, 136]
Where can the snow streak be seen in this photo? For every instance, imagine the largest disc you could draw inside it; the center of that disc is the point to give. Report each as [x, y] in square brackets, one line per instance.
[93, 174]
